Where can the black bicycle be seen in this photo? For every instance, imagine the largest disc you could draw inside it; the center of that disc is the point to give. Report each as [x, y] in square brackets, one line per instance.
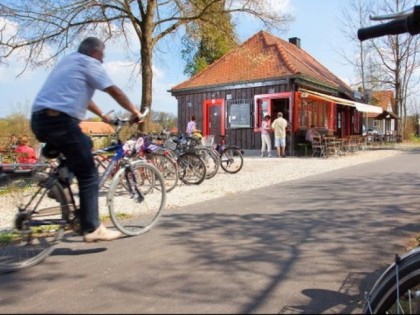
[398, 288]
[39, 206]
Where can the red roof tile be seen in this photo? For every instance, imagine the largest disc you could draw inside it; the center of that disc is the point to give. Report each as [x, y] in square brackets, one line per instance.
[262, 57]
[383, 99]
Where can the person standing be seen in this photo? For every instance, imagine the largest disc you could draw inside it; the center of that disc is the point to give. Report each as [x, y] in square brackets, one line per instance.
[265, 136]
[57, 110]
[279, 125]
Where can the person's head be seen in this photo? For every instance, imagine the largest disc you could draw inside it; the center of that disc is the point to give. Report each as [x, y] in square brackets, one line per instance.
[312, 126]
[92, 47]
[193, 117]
[279, 114]
[267, 117]
[23, 140]
[13, 137]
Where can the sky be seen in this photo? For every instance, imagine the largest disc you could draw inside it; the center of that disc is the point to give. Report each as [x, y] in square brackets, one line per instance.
[316, 24]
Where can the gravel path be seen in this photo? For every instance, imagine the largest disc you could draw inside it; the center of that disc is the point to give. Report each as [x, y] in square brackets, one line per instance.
[260, 172]
[257, 172]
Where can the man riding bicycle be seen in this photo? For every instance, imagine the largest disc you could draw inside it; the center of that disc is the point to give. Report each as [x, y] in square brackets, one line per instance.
[56, 113]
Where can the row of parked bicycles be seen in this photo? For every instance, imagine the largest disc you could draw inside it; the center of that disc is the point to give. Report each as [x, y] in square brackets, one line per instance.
[40, 201]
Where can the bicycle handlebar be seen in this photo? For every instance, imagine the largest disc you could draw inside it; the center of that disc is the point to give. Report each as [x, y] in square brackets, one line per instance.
[123, 121]
[403, 23]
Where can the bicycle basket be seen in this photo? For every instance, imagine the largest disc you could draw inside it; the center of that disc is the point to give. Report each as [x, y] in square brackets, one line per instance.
[170, 144]
[207, 140]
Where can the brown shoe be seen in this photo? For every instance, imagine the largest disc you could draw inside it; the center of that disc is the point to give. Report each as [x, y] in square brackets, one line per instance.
[101, 234]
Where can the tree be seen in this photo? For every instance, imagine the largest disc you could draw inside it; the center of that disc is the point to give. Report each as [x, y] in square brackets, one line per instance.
[355, 15]
[45, 29]
[212, 40]
[393, 59]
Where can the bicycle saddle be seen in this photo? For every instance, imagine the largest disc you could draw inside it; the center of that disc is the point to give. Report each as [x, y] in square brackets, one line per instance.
[50, 151]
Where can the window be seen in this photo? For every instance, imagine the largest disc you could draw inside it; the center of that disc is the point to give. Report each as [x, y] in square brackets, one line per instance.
[315, 111]
[239, 114]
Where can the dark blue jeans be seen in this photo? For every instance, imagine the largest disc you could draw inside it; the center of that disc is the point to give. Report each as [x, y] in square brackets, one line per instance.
[64, 133]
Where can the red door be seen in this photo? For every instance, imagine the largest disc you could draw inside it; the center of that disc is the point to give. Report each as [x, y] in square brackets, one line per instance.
[214, 117]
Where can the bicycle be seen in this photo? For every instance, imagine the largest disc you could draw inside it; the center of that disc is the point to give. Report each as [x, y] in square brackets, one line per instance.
[109, 159]
[210, 158]
[159, 157]
[398, 288]
[191, 168]
[47, 207]
[231, 156]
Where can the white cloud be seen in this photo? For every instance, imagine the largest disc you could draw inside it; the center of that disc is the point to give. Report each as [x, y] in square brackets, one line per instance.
[9, 28]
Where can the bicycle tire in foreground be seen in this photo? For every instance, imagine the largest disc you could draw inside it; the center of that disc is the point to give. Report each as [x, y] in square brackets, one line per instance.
[28, 237]
[390, 296]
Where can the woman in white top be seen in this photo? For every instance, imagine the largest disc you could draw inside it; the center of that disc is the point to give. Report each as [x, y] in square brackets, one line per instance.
[265, 136]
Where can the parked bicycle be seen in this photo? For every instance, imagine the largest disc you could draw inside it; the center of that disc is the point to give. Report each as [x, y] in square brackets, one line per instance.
[191, 168]
[210, 158]
[231, 156]
[47, 207]
[398, 288]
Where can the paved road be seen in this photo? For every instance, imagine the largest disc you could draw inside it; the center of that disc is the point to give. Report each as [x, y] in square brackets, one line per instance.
[307, 246]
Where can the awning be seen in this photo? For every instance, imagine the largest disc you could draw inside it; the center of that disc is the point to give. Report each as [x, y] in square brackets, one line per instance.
[386, 115]
[361, 107]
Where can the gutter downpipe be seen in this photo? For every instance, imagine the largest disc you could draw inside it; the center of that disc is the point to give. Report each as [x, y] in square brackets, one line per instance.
[292, 84]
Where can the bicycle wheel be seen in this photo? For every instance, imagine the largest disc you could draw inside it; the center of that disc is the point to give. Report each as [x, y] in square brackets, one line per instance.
[167, 168]
[231, 160]
[192, 170]
[132, 210]
[211, 160]
[403, 298]
[29, 235]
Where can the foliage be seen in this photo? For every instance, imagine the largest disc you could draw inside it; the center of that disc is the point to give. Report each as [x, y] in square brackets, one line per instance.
[205, 43]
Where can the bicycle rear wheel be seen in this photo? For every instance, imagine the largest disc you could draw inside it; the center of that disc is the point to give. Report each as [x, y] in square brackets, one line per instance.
[191, 168]
[136, 198]
[403, 298]
[231, 160]
[26, 237]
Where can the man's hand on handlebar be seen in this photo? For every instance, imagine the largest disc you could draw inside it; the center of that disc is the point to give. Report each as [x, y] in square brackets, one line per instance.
[138, 117]
[401, 22]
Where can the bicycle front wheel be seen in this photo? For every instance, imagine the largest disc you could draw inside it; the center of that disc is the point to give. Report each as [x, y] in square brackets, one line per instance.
[231, 160]
[210, 159]
[29, 235]
[390, 297]
[136, 198]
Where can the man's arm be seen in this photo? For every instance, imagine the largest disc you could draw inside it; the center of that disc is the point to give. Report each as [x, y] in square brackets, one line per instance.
[122, 99]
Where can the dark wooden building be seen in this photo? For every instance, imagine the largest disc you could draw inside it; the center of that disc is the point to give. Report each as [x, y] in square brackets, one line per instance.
[262, 76]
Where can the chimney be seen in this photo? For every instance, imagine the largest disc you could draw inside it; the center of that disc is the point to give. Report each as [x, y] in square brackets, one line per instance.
[295, 41]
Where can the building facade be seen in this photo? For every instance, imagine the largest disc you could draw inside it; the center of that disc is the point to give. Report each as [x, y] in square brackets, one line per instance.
[267, 75]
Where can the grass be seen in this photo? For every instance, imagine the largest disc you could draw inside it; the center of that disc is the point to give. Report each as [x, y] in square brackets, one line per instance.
[6, 237]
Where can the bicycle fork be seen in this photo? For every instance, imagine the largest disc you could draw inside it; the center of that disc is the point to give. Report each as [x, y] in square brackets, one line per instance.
[133, 181]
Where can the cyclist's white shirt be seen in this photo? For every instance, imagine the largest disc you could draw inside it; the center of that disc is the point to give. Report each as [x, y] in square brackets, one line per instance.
[71, 85]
